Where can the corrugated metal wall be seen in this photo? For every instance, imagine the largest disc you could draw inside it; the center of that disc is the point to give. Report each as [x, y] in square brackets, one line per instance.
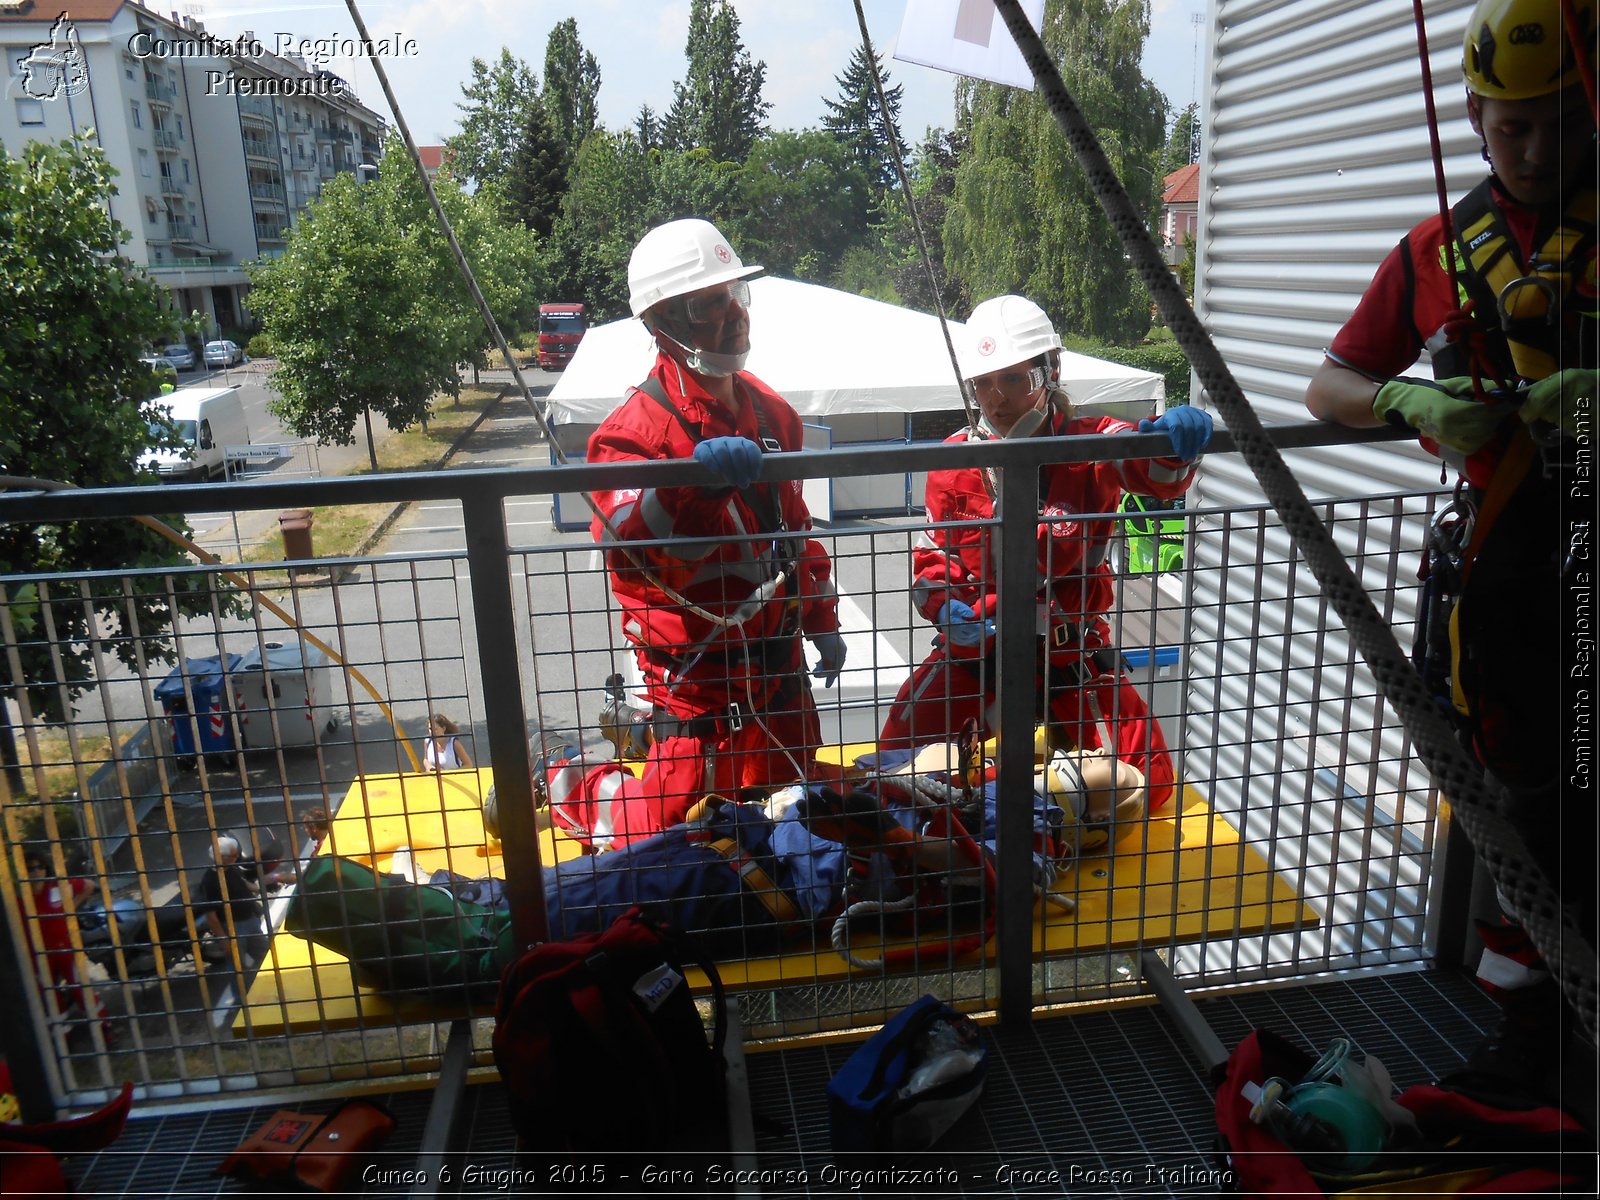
[1316, 162]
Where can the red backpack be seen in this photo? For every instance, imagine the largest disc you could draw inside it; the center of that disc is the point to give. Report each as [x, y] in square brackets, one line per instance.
[1464, 1146]
[602, 1047]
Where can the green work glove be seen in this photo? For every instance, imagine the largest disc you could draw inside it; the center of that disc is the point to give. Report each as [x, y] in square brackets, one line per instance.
[1561, 398]
[1444, 411]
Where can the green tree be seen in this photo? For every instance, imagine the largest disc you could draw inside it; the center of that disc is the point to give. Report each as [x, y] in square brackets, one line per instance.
[353, 312]
[619, 191]
[717, 106]
[933, 183]
[1023, 217]
[494, 112]
[1183, 145]
[647, 128]
[857, 120]
[75, 406]
[538, 176]
[571, 90]
[802, 196]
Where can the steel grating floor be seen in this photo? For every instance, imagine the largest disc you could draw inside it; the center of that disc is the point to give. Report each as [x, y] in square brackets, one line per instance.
[1100, 1102]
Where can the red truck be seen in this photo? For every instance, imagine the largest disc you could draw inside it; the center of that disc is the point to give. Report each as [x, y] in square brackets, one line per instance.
[561, 328]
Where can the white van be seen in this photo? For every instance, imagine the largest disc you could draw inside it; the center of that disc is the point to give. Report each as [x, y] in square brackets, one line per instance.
[208, 420]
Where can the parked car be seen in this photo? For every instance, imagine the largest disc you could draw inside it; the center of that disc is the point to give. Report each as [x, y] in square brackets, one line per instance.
[179, 355]
[223, 353]
[166, 374]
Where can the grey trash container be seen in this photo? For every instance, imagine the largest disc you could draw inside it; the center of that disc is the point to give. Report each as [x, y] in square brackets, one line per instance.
[290, 679]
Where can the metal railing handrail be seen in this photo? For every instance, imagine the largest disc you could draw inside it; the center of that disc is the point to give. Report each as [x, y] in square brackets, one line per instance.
[493, 484]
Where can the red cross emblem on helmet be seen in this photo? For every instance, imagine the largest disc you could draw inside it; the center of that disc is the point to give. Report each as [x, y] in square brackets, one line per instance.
[986, 345]
[723, 253]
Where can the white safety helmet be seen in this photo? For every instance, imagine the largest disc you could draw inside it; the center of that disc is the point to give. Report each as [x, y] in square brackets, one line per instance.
[1003, 332]
[678, 258]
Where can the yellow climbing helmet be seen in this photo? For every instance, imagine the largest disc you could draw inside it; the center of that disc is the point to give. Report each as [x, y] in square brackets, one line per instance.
[1519, 49]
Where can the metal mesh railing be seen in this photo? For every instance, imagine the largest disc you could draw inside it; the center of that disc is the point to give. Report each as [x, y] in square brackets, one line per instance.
[1302, 838]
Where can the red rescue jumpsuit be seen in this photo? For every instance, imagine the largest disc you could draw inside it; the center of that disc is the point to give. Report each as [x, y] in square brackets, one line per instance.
[733, 703]
[56, 939]
[1075, 590]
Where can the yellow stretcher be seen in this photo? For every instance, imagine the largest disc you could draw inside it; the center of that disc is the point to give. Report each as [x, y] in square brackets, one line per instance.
[1178, 877]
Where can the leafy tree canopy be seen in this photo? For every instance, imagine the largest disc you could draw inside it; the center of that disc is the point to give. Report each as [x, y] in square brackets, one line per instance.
[717, 106]
[353, 311]
[857, 120]
[571, 90]
[802, 195]
[1023, 217]
[1183, 145]
[76, 406]
[494, 111]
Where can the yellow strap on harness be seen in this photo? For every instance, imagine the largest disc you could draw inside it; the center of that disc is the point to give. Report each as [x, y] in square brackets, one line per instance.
[1536, 292]
[773, 898]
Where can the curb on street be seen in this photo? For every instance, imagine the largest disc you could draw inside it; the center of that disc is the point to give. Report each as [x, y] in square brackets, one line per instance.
[383, 526]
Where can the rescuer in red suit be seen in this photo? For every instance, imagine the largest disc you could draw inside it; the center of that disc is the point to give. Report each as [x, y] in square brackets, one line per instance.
[719, 583]
[1011, 354]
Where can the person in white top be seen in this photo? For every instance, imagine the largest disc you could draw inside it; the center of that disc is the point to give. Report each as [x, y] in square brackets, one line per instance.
[442, 749]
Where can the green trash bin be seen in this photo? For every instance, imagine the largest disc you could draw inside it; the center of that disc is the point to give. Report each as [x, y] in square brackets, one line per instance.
[1155, 540]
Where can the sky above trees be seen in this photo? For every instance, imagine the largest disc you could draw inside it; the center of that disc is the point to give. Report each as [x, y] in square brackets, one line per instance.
[639, 49]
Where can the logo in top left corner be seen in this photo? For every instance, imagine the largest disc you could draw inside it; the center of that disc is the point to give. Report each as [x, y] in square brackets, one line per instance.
[56, 68]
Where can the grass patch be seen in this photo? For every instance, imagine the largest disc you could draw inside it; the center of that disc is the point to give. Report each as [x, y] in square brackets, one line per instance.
[55, 759]
[338, 531]
[419, 450]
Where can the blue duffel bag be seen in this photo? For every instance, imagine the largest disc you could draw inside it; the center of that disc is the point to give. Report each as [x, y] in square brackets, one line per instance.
[910, 1082]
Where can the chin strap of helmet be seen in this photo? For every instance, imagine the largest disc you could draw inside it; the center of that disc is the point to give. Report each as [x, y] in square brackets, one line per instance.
[702, 362]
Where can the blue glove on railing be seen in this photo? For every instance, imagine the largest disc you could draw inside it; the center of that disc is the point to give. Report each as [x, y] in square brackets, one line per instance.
[737, 460]
[961, 625]
[1186, 425]
[831, 647]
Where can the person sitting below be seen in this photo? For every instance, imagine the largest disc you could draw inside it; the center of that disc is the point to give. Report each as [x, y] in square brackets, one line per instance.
[442, 749]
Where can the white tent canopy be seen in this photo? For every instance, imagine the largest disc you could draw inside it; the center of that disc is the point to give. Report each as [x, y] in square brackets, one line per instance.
[829, 354]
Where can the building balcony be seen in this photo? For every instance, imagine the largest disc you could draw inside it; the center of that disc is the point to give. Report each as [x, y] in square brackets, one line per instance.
[256, 148]
[166, 141]
[171, 187]
[160, 92]
[257, 109]
[267, 195]
[180, 231]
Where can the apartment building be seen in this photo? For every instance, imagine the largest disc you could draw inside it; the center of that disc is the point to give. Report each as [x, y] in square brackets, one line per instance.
[219, 144]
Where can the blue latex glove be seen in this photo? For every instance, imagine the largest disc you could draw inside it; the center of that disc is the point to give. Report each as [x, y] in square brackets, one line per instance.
[961, 624]
[831, 647]
[736, 460]
[1186, 425]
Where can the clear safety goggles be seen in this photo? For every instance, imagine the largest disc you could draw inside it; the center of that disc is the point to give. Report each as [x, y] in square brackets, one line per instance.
[1014, 383]
[711, 305]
